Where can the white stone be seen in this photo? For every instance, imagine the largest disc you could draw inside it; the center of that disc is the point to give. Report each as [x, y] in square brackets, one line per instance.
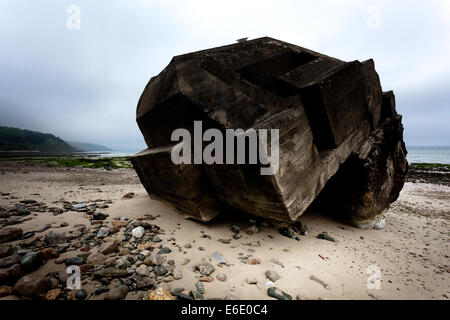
[138, 232]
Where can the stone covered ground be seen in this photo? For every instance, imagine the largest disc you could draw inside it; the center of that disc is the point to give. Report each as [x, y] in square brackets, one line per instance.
[128, 246]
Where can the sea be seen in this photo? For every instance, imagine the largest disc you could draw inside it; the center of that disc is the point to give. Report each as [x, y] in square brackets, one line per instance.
[439, 154]
[416, 154]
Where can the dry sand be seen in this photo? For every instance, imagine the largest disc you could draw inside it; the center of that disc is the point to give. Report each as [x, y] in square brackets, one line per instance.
[412, 251]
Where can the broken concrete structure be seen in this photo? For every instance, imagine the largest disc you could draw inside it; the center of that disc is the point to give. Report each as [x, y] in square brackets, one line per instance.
[340, 138]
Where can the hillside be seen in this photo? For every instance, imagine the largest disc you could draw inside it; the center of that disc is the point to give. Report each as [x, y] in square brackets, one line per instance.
[83, 146]
[14, 139]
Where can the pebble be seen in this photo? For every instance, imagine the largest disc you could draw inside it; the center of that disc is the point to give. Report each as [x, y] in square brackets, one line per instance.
[380, 225]
[102, 233]
[160, 294]
[221, 277]
[200, 288]
[118, 293]
[272, 276]
[32, 261]
[252, 230]
[10, 261]
[287, 232]
[325, 236]
[164, 251]
[52, 294]
[276, 293]
[143, 270]
[160, 270]
[205, 268]
[254, 261]
[138, 232]
[11, 234]
[32, 285]
[80, 294]
[177, 274]
[219, 258]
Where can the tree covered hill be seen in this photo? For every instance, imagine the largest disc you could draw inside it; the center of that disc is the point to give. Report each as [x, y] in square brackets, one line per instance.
[13, 139]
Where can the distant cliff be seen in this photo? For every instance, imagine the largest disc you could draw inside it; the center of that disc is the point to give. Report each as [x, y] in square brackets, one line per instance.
[13, 139]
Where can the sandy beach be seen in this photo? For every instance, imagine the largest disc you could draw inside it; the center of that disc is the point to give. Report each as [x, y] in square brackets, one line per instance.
[411, 251]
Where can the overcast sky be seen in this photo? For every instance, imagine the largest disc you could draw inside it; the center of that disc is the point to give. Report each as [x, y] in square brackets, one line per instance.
[83, 84]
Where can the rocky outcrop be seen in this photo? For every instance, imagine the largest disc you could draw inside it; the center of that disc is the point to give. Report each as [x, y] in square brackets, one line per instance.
[339, 138]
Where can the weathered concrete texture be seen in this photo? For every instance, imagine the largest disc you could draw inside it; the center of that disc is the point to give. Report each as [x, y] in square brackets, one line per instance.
[337, 131]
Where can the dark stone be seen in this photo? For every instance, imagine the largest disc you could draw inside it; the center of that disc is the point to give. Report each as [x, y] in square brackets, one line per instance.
[10, 261]
[351, 149]
[325, 236]
[11, 275]
[11, 234]
[276, 293]
[81, 294]
[160, 270]
[31, 286]
[32, 261]
[78, 261]
[287, 232]
[164, 251]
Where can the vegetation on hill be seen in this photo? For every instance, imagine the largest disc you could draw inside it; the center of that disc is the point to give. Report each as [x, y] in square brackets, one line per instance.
[13, 139]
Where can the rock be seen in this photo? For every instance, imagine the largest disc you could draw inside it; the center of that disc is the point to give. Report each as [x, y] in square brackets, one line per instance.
[352, 137]
[251, 280]
[5, 251]
[5, 291]
[96, 258]
[120, 223]
[79, 206]
[138, 232]
[160, 294]
[272, 276]
[80, 294]
[11, 275]
[109, 247]
[102, 233]
[224, 241]
[221, 277]
[155, 259]
[31, 286]
[287, 232]
[10, 234]
[118, 293]
[49, 253]
[277, 262]
[77, 261]
[160, 270]
[123, 263]
[254, 261]
[97, 216]
[325, 236]
[252, 230]
[206, 279]
[323, 283]
[164, 250]
[110, 272]
[10, 261]
[188, 246]
[101, 290]
[219, 258]
[32, 261]
[270, 284]
[200, 288]
[231, 297]
[145, 283]
[276, 293]
[380, 224]
[53, 238]
[205, 268]
[177, 274]
[143, 270]
[52, 294]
